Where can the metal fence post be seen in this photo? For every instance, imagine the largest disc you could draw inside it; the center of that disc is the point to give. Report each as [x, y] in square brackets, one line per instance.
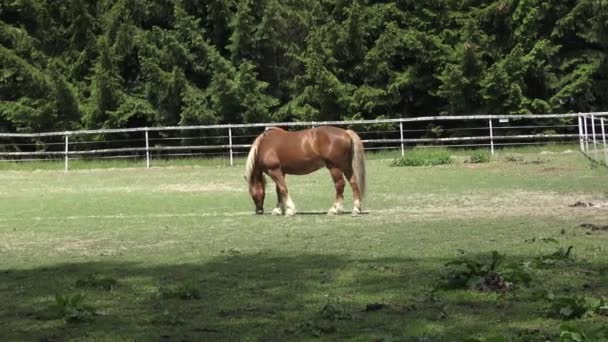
[585, 134]
[594, 140]
[147, 150]
[230, 145]
[604, 141]
[580, 133]
[67, 144]
[401, 135]
[491, 137]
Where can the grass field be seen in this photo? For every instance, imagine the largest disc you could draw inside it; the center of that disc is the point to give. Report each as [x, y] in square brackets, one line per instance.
[175, 253]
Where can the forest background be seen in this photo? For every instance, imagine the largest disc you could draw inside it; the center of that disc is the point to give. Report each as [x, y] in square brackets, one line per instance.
[74, 64]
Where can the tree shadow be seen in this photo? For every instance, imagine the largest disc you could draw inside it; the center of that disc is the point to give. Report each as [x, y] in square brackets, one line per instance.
[272, 297]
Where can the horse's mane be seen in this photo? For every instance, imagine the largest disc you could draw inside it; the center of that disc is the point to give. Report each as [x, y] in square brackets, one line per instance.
[253, 156]
[251, 159]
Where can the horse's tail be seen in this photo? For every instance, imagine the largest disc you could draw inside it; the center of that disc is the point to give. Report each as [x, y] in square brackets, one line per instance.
[252, 158]
[358, 162]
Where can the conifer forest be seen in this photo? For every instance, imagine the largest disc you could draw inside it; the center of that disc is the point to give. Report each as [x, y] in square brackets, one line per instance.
[77, 64]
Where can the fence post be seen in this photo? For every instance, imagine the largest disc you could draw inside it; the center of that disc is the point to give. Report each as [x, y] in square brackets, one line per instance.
[230, 144]
[604, 141]
[67, 143]
[594, 140]
[147, 150]
[585, 134]
[401, 135]
[491, 137]
[580, 133]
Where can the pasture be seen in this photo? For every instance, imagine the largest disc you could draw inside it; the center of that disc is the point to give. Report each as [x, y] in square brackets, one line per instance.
[175, 253]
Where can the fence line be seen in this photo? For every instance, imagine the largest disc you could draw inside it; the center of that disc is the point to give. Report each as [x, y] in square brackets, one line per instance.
[231, 144]
[589, 137]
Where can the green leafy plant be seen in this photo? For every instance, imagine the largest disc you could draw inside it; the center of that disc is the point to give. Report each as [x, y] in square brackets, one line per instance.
[559, 256]
[423, 157]
[568, 307]
[485, 275]
[601, 308]
[479, 156]
[571, 333]
[72, 309]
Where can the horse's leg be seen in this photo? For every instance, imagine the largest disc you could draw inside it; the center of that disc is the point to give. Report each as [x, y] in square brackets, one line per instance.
[352, 179]
[280, 209]
[279, 177]
[338, 178]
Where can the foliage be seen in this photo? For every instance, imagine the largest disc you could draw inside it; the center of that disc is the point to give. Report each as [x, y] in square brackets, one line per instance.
[485, 274]
[72, 309]
[560, 256]
[566, 307]
[423, 157]
[480, 157]
[124, 63]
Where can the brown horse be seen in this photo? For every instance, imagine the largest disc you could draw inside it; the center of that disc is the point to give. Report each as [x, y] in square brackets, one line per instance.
[277, 152]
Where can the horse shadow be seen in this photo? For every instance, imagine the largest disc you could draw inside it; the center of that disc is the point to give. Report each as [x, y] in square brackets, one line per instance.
[324, 213]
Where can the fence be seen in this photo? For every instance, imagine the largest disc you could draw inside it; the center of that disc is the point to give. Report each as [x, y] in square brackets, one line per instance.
[592, 133]
[231, 140]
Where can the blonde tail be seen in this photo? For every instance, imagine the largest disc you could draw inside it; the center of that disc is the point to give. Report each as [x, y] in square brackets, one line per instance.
[358, 161]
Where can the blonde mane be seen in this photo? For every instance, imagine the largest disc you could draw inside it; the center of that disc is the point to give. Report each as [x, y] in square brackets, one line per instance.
[252, 158]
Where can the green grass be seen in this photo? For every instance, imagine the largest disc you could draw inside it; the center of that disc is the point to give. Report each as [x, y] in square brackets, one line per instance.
[186, 259]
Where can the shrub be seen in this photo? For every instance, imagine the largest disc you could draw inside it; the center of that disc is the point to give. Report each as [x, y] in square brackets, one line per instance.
[480, 156]
[423, 157]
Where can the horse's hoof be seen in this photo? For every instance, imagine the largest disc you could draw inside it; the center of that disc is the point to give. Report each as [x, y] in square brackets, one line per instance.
[290, 212]
[332, 212]
[356, 212]
[277, 211]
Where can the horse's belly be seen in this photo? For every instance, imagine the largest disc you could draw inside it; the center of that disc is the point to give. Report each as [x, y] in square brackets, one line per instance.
[303, 167]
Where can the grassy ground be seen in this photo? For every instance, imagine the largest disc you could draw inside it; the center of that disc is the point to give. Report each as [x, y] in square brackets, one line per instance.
[184, 258]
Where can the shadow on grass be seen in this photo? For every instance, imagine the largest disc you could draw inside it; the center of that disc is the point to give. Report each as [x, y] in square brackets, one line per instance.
[277, 298]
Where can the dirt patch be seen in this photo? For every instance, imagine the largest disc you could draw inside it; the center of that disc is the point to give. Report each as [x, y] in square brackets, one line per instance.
[582, 204]
[210, 187]
[430, 207]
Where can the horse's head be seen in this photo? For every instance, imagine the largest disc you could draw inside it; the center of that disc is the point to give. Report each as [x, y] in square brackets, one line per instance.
[257, 189]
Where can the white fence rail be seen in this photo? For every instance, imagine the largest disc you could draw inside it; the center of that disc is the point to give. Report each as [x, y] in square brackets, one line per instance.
[147, 143]
[592, 132]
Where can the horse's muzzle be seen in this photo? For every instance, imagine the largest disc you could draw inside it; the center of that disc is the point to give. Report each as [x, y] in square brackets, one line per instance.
[259, 211]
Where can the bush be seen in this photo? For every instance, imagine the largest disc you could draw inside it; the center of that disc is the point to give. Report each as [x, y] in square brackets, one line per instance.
[423, 157]
[480, 156]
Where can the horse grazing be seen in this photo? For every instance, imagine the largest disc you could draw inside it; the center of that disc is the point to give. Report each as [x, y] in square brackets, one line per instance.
[278, 152]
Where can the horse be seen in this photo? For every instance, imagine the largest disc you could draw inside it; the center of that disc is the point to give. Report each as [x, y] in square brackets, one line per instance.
[277, 153]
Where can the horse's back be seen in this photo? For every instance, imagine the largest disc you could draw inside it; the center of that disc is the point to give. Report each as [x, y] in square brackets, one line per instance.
[305, 151]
